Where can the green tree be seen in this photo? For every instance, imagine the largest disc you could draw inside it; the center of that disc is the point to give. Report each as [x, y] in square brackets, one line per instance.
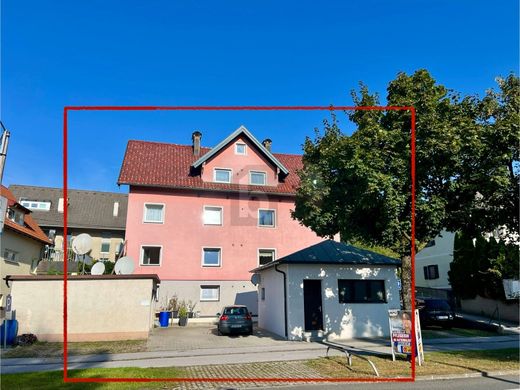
[485, 194]
[360, 185]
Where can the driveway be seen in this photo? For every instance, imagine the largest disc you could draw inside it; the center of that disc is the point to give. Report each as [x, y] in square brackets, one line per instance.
[192, 337]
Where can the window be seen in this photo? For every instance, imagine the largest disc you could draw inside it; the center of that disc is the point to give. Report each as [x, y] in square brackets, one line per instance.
[211, 257]
[266, 256]
[361, 291]
[262, 294]
[10, 255]
[153, 213]
[257, 178]
[222, 175]
[16, 216]
[431, 272]
[105, 245]
[212, 215]
[240, 148]
[36, 205]
[209, 293]
[151, 255]
[266, 218]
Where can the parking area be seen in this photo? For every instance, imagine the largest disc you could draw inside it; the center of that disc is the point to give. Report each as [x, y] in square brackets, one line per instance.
[176, 338]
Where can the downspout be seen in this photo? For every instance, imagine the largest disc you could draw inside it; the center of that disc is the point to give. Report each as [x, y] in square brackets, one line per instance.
[284, 297]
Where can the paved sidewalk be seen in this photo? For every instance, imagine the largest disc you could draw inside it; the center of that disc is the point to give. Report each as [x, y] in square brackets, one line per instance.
[507, 326]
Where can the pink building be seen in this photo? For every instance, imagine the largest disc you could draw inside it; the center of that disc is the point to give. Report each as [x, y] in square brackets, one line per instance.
[202, 218]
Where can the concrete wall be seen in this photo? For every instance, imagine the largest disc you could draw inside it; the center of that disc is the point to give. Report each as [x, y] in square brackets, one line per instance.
[486, 307]
[340, 320]
[440, 254]
[231, 293]
[271, 310]
[98, 309]
[28, 254]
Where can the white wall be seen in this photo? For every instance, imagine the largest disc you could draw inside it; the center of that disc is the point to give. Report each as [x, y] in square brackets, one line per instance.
[440, 254]
[271, 310]
[340, 320]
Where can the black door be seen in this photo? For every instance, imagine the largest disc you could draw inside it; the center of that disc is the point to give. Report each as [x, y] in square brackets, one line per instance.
[312, 305]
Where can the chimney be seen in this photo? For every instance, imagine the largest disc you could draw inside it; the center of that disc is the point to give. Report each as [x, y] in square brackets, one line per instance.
[60, 205]
[196, 137]
[116, 209]
[267, 144]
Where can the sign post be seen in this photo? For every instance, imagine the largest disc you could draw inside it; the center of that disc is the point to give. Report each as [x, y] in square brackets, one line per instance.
[400, 322]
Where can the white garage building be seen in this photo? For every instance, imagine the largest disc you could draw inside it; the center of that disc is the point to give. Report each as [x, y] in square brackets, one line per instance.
[329, 289]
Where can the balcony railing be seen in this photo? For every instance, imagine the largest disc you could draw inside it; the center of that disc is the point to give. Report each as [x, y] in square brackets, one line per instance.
[54, 254]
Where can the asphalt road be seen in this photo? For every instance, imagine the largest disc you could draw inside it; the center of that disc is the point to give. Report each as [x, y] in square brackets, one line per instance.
[507, 382]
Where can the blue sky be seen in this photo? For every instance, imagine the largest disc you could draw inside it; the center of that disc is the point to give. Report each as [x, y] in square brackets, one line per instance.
[128, 52]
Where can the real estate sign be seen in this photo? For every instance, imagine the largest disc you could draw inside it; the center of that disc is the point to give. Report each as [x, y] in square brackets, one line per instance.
[400, 322]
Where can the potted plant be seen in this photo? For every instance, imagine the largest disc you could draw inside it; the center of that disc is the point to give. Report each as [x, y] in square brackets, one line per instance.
[174, 306]
[183, 315]
[191, 306]
[164, 314]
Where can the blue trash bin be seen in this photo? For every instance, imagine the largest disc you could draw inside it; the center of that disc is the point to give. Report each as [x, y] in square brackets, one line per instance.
[164, 318]
[12, 331]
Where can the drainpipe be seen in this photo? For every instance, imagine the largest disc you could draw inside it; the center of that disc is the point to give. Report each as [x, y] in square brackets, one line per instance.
[284, 297]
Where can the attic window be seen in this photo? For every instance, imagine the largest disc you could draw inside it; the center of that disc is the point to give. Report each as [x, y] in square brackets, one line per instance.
[36, 205]
[222, 175]
[240, 148]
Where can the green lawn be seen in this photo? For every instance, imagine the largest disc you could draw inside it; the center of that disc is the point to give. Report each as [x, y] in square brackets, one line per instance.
[437, 363]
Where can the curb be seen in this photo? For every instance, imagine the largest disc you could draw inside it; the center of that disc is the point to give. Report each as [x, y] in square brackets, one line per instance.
[468, 375]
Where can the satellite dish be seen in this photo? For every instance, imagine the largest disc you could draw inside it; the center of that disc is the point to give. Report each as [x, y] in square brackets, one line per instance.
[255, 279]
[87, 259]
[82, 244]
[124, 266]
[98, 268]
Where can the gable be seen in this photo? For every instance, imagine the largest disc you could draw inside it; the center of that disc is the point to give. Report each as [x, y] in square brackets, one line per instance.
[241, 166]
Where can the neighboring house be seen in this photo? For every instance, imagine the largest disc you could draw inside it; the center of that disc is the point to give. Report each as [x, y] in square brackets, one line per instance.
[202, 218]
[330, 289]
[433, 262]
[22, 241]
[100, 214]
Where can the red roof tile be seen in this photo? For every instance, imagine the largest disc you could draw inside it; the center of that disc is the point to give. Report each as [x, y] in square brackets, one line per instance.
[31, 228]
[158, 164]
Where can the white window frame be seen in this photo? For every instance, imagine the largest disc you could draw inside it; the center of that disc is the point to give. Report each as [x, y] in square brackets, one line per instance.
[245, 148]
[256, 184]
[266, 226]
[221, 215]
[222, 169]
[207, 287]
[264, 249]
[15, 253]
[154, 204]
[39, 203]
[141, 255]
[105, 241]
[219, 257]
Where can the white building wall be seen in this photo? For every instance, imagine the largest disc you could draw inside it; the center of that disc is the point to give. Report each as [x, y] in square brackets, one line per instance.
[271, 310]
[440, 254]
[341, 320]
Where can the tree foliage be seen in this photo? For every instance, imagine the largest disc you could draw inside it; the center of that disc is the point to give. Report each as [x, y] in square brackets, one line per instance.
[479, 265]
[360, 185]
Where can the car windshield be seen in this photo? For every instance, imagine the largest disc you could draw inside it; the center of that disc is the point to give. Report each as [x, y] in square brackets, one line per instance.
[438, 305]
[235, 311]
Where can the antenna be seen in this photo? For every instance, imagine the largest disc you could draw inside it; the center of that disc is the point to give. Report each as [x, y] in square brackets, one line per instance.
[81, 245]
[98, 268]
[124, 266]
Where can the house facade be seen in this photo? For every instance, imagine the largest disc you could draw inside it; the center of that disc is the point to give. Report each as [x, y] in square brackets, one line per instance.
[433, 262]
[22, 241]
[202, 218]
[330, 290]
[102, 215]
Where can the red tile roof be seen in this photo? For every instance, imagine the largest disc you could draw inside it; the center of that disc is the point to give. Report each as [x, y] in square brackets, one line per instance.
[30, 227]
[156, 164]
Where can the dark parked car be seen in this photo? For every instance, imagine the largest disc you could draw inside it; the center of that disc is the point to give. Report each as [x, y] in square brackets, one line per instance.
[235, 319]
[436, 312]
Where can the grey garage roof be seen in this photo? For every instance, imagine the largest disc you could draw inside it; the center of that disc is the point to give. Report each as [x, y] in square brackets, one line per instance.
[87, 209]
[333, 252]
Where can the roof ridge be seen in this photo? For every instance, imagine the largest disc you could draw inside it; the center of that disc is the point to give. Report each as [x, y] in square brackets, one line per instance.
[68, 189]
[165, 143]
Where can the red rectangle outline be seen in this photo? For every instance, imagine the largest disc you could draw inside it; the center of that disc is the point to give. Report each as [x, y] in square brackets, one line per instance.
[66, 109]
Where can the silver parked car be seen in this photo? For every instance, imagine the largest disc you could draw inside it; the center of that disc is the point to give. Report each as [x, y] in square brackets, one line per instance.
[235, 319]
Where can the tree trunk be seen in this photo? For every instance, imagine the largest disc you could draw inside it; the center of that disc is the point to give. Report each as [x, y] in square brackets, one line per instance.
[406, 281]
